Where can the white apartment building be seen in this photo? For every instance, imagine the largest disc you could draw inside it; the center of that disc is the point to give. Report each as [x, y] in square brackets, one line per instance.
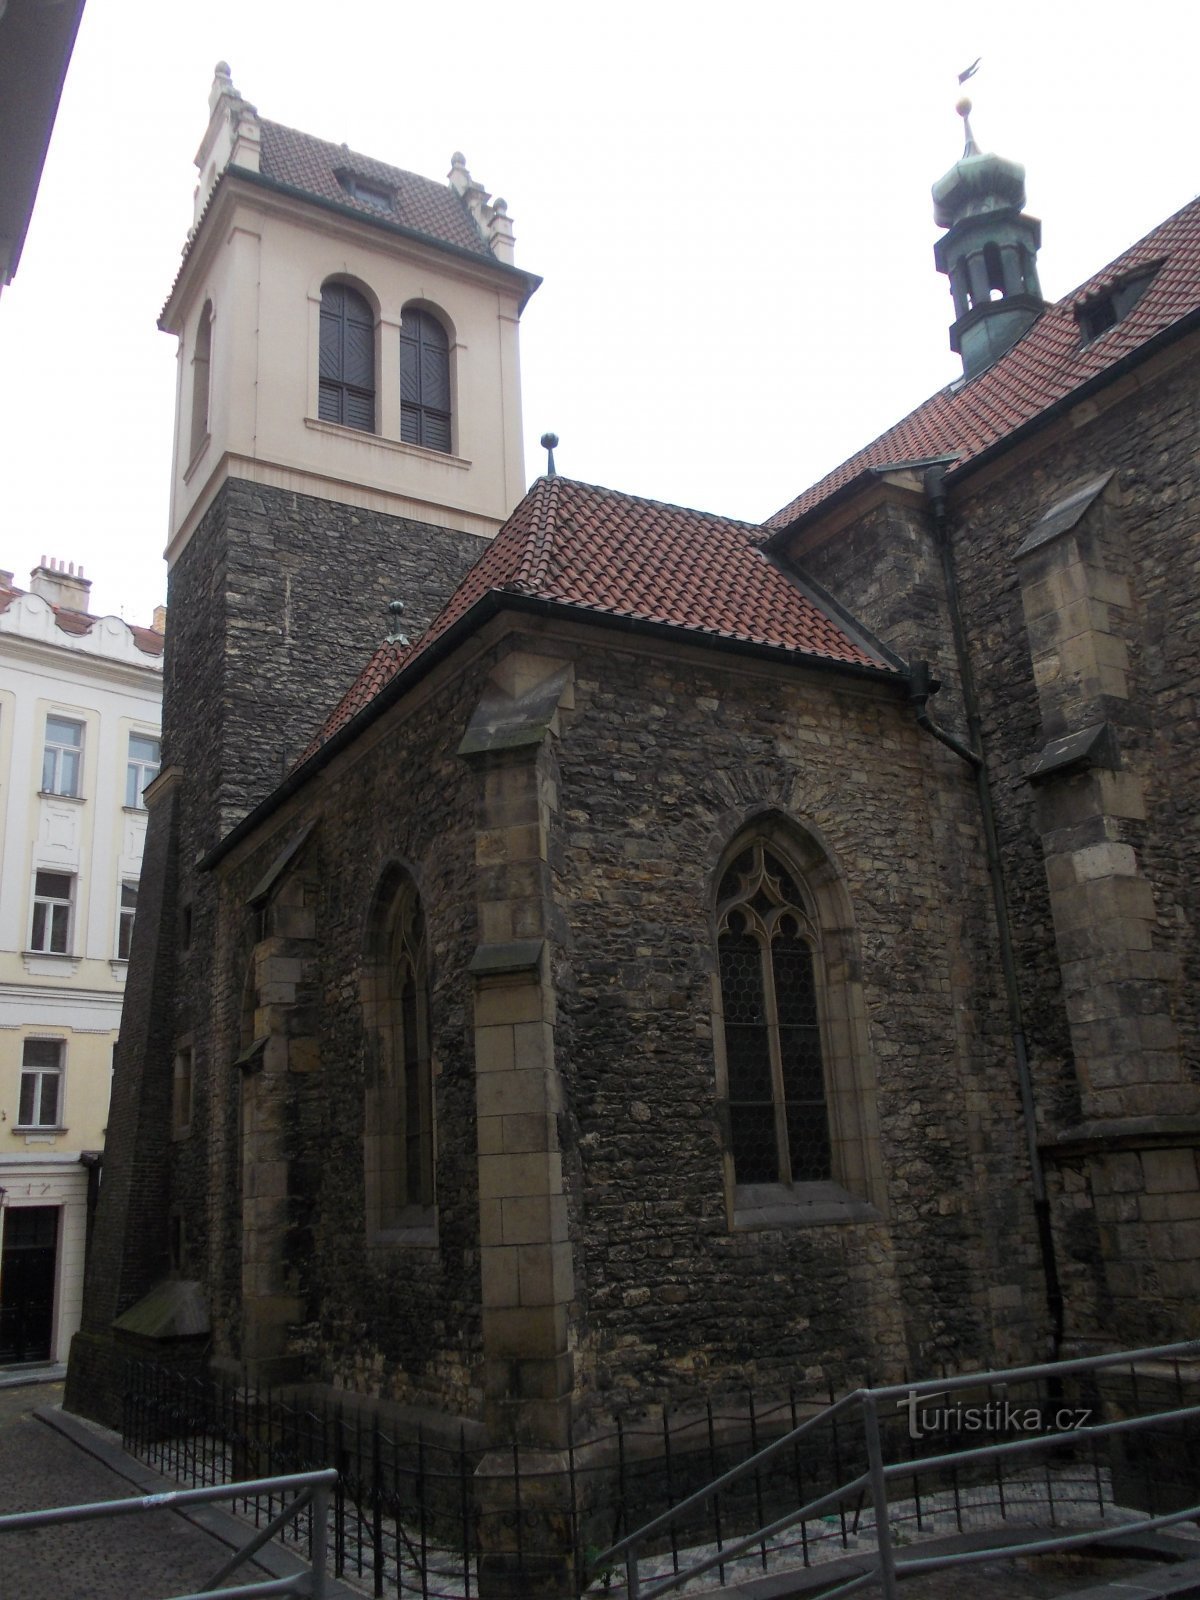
[80, 714]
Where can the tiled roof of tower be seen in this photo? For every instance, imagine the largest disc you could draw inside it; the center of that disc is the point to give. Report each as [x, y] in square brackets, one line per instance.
[613, 555]
[1042, 369]
[313, 165]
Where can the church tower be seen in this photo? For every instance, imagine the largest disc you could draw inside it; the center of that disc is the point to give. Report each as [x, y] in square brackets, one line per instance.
[347, 440]
[989, 253]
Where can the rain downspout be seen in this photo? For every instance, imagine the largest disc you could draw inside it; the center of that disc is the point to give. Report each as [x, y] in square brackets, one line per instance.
[972, 752]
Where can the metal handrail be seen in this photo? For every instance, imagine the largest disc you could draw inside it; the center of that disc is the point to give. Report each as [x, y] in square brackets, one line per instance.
[886, 1566]
[311, 1488]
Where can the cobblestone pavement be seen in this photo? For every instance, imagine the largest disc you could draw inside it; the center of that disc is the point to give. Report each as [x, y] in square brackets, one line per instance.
[140, 1557]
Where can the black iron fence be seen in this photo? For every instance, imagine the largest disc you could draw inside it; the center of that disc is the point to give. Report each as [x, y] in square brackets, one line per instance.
[420, 1512]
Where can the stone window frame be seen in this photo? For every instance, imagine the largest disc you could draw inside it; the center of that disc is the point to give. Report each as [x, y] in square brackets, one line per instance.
[396, 931]
[855, 1191]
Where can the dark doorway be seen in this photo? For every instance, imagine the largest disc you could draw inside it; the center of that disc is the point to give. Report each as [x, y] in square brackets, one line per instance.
[27, 1283]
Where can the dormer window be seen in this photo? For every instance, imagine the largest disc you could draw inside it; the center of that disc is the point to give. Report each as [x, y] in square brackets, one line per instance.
[370, 194]
[1100, 312]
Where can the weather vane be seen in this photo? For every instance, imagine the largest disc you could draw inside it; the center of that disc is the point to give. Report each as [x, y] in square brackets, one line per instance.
[964, 108]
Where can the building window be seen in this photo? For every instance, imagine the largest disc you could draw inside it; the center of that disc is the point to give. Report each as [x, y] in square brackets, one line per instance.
[53, 893]
[145, 759]
[201, 363]
[398, 1131]
[181, 1095]
[62, 762]
[424, 381]
[370, 194]
[775, 1074]
[41, 1084]
[128, 910]
[347, 362]
[1103, 311]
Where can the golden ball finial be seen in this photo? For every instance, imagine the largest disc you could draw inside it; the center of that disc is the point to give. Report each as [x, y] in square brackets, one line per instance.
[963, 107]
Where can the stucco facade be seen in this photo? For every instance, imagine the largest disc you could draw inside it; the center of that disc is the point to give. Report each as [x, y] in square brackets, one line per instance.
[80, 711]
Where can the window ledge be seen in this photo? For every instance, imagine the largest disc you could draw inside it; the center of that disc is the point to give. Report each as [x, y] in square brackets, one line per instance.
[134, 811]
[25, 1130]
[46, 963]
[340, 431]
[798, 1205]
[53, 794]
[415, 1228]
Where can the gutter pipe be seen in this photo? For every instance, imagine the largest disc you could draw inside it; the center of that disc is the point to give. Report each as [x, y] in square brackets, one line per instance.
[935, 491]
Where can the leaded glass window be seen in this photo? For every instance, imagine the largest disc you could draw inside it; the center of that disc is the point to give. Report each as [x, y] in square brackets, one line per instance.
[766, 943]
[398, 1130]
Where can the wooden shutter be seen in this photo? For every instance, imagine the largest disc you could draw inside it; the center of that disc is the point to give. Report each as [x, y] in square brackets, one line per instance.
[424, 381]
[346, 371]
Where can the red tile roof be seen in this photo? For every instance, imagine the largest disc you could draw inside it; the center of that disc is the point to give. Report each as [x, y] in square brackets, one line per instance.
[81, 622]
[610, 554]
[313, 165]
[1043, 368]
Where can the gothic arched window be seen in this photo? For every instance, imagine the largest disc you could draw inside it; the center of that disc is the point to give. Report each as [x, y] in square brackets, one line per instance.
[424, 381]
[767, 947]
[346, 391]
[398, 1109]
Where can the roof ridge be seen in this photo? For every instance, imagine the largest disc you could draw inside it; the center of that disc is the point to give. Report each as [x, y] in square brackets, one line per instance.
[340, 147]
[658, 505]
[1043, 370]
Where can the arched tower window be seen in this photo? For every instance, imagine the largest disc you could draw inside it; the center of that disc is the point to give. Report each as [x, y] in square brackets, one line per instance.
[201, 363]
[398, 1108]
[766, 944]
[424, 380]
[347, 370]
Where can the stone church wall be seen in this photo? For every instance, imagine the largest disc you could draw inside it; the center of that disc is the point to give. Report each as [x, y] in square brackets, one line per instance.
[661, 764]
[401, 1322]
[658, 765]
[1101, 867]
[276, 603]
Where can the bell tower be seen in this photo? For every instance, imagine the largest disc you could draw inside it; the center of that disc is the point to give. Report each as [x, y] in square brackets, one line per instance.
[347, 439]
[326, 306]
[989, 253]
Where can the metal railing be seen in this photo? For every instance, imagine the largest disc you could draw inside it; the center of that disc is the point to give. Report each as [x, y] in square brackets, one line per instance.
[309, 1489]
[880, 1480]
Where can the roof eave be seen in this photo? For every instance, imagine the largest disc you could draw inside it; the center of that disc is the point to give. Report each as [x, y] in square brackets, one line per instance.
[1162, 340]
[1040, 419]
[526, 283]
[484, 609]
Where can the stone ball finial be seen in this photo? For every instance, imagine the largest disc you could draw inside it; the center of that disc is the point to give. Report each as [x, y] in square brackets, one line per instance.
[500, 206]
[222, 70]
[458, 159]
[964, 107]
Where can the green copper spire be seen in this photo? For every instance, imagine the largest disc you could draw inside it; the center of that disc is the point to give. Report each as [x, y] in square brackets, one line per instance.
[989, 252]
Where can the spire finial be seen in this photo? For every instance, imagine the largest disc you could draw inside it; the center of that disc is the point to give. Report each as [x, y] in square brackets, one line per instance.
[964, 109]
[549, 442]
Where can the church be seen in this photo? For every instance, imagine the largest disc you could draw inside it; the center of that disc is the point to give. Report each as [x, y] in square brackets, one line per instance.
[591, 953]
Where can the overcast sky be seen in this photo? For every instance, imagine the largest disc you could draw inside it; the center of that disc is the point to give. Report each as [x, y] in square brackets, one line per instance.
[729, 206]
